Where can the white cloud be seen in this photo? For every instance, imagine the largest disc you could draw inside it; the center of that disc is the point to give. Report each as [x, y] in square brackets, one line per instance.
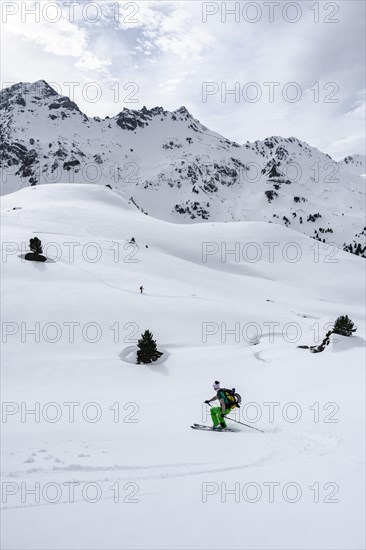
[169, 52]
[89, 61]
[64, 38]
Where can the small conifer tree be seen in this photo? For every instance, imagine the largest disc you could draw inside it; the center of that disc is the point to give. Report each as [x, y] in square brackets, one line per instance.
[344, 326]
[147, 351]
[35, 245]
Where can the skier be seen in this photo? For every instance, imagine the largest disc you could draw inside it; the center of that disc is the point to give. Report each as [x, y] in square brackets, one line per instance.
[141, 289]
[218, 413]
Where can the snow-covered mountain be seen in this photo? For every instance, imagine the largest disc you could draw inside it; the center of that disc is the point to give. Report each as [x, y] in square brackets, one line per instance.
[355, 164]
[172, 167]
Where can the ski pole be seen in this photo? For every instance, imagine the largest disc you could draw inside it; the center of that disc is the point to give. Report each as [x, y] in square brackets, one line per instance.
[242, 423]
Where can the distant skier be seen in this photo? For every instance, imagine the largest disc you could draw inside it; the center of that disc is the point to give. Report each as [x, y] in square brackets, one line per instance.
[141, 289]
[228, 400]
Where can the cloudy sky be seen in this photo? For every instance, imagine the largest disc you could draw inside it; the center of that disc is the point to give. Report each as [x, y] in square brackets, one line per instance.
[293, 68]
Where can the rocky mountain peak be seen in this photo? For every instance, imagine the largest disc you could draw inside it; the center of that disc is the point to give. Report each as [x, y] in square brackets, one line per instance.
[174, 168]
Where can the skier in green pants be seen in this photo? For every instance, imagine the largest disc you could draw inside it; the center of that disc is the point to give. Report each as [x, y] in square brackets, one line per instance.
[218, 413]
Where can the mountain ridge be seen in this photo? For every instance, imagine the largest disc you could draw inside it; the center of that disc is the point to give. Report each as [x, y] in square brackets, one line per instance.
[171, 166]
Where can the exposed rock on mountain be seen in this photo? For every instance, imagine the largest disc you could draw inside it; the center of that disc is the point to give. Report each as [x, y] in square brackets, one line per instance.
[171, 166]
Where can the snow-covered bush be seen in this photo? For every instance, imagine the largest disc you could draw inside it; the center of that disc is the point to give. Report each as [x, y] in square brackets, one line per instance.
[344, 326]
[36, 251]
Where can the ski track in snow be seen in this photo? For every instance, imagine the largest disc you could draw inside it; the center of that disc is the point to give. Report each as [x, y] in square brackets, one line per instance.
[300, 444]
[278, 450]
[160, 476]
[133, 292]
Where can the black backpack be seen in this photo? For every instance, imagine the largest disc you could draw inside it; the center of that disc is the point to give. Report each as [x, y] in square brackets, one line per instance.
[231, 398]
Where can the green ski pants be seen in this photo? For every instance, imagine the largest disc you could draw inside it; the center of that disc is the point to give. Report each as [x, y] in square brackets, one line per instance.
[217, 415]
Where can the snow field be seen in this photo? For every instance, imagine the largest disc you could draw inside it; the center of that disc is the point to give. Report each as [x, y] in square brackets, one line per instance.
[109, 444]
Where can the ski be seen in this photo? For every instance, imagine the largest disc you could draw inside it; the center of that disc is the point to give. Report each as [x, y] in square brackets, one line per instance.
[209, 428]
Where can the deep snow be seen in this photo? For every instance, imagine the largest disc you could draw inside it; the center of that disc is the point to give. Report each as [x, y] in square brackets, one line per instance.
[176, 476]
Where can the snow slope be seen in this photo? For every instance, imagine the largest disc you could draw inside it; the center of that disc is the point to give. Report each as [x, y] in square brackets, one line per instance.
[171, 479]
[355, 164]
